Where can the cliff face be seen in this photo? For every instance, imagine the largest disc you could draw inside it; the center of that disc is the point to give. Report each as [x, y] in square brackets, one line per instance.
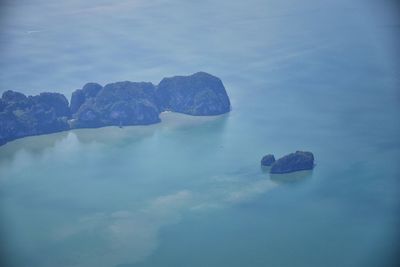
[298, 161]
[197, 94]
[23, 116]
[120, 103]
[268, 160]
[80, 96]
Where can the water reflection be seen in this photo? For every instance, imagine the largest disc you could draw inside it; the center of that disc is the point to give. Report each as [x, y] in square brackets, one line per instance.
[265, 169]
[37, 145]
[169, 122]
[294, 177]
[34, 145]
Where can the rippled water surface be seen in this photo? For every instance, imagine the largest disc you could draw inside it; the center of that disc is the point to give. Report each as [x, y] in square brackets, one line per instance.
[189, 191]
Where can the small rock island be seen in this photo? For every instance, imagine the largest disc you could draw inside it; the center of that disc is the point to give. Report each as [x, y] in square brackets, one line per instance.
[298, 161]
[268, 160]
[120, 103]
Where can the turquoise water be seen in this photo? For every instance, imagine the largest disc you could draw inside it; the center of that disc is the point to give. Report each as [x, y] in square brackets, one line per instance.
[189, 191]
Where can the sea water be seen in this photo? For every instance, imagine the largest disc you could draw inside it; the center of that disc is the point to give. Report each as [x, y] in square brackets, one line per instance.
[190, 191]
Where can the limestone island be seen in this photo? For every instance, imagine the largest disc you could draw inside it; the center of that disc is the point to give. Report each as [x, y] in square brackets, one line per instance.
[298, 161]
[118, 104]
[268, 160]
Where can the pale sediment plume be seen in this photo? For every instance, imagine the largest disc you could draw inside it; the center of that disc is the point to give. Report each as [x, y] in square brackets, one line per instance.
[189, 191]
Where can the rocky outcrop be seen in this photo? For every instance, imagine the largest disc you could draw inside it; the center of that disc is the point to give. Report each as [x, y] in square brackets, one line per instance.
[80, 96]
[268, 160]
[197, 94]
[120, 103]
[298, 161]
[23, 116]
[52, 101]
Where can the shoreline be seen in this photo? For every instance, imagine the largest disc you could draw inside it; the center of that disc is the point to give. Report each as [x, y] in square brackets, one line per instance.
[166, 118]
[115, 104]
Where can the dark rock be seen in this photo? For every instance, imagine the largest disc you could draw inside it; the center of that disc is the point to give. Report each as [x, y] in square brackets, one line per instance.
[55, 101]
[87, 116]
[2, 105]
[121, 103]
[77, 99]
[300, 160]
[268, 160]
[24, 116]
[90, 90]
[10, 127]
[12, 96]
[197, 94]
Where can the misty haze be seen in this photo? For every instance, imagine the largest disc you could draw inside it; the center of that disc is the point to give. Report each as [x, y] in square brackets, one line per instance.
[183, 185]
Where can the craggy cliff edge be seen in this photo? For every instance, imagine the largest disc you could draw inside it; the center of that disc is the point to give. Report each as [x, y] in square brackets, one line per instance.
[120, 103]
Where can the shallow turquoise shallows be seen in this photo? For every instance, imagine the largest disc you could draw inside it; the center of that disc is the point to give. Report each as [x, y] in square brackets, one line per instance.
[320, 76]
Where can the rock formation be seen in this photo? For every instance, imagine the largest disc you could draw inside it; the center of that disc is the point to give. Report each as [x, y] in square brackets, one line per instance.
[268, 160]
[197, 94]
[22, 116]
[300, 160]
[120, 103]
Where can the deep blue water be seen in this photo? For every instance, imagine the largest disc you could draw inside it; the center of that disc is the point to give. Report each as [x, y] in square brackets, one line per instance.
[321, 76]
